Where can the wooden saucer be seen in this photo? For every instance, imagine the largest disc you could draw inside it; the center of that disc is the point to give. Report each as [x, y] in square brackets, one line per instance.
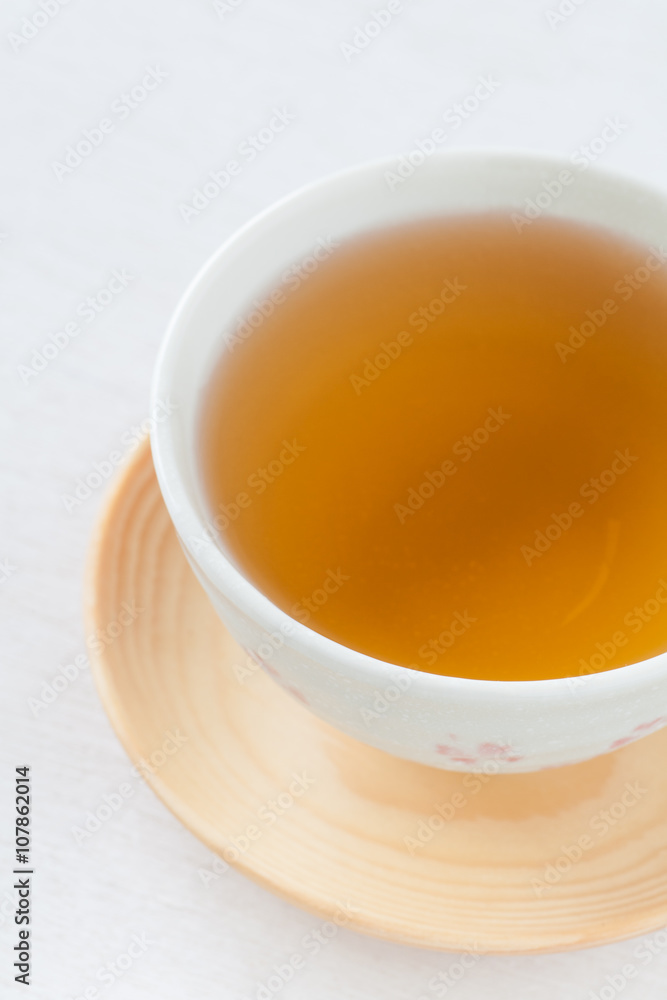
[539, 862]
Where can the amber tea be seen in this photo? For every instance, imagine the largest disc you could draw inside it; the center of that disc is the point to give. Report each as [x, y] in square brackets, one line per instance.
[444, 445]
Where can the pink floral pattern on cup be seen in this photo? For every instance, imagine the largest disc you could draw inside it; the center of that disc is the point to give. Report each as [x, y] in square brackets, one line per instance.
[641, 730]
[274, 673]
[483, 753]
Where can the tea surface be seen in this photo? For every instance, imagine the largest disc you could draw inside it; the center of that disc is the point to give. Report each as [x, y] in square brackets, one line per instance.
[444, 445]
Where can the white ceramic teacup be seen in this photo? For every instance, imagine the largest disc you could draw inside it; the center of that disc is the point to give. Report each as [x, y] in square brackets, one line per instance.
[446, 722]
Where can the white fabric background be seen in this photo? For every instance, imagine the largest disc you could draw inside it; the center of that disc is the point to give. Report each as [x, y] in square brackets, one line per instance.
[120, 209]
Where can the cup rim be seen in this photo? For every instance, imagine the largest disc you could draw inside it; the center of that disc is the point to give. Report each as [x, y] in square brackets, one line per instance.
[233, 584]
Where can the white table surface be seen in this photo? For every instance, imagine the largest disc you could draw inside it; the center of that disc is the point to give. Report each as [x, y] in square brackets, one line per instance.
[61, 240]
